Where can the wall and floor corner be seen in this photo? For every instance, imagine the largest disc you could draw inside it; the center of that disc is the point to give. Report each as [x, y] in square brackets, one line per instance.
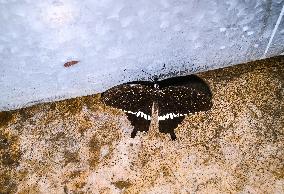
[119, 41]
[81, 146]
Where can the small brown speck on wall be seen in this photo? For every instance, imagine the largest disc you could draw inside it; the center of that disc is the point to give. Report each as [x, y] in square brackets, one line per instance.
[70, 63]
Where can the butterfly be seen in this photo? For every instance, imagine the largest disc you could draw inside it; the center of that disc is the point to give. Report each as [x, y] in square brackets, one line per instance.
[175, 98]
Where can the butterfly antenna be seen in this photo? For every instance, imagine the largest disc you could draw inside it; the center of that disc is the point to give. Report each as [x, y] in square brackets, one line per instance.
[164, 67]
[150, 76]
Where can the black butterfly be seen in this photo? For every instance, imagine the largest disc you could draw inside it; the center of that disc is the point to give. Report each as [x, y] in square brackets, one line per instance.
[175, 97]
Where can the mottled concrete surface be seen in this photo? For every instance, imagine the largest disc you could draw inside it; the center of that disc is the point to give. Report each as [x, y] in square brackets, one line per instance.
[80, 146]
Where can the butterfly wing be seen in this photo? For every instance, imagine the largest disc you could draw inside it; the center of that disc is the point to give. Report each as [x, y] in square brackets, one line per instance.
[129, 97]
[180, 96]
[139, 124]
[168, 125]
[136, 100]
[183, 95]
[182, 100]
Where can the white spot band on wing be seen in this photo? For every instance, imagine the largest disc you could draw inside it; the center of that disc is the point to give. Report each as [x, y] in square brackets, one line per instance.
[139, 114]
[171, 116]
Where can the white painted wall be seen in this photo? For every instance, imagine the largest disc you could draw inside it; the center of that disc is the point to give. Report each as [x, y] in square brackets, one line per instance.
[115, 40]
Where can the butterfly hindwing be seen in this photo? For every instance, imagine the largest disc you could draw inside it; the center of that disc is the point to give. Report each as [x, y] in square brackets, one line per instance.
[168, 125]
[139, 124]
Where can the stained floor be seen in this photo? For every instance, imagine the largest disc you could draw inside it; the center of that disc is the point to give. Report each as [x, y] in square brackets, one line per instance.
[81, 146]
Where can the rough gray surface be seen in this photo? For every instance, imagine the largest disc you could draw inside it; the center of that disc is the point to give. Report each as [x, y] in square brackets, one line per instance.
[80, 146]
[115, 40]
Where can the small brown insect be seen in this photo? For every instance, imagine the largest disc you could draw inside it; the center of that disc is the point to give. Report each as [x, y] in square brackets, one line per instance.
[70, 63]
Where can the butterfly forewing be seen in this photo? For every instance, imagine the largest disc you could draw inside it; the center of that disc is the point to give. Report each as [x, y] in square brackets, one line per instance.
[181, 100]
[183, 95]
[132, 98]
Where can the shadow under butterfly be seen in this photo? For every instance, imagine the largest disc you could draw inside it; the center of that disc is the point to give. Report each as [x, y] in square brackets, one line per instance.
[175, 98]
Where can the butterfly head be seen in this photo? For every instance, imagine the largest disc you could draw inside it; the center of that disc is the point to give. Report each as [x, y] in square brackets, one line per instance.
[156, 82]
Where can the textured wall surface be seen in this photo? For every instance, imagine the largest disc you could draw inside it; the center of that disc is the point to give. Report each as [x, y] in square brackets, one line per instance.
[115, 40]
[80, 146]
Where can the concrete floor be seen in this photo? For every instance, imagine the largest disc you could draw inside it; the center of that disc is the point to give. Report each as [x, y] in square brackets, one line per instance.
[80, 146]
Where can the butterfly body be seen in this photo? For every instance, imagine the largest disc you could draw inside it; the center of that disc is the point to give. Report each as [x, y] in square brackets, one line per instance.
[175, 98]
